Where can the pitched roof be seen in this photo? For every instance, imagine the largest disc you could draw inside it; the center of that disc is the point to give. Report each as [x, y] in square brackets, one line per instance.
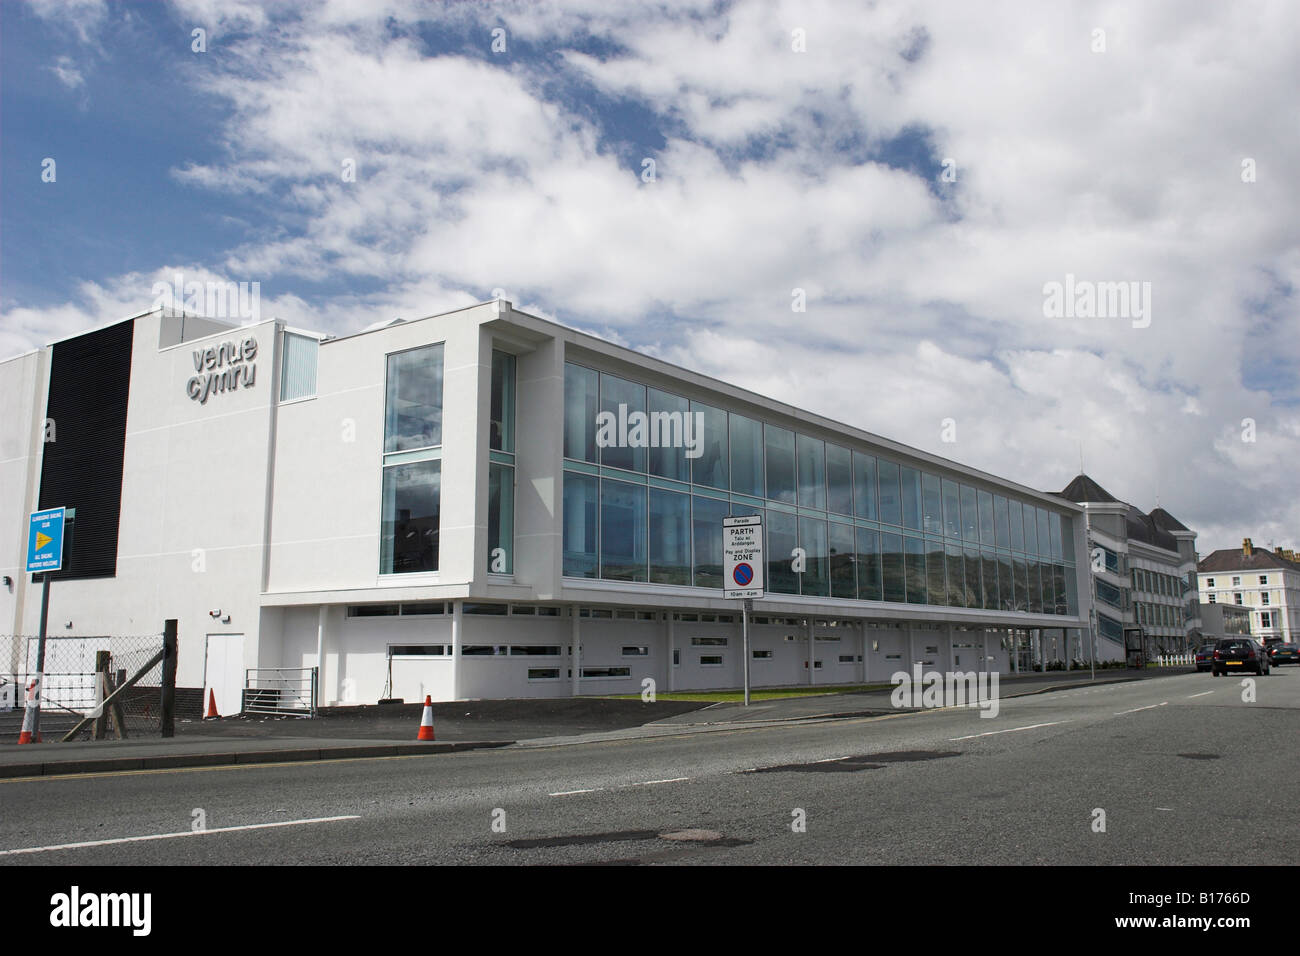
[1084, 489]
[1142, 528]
[1231, 559]
[1151, 528]
[1167, 522]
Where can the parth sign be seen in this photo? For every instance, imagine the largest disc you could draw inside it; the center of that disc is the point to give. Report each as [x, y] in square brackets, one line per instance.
[742, 557]
[223, 368]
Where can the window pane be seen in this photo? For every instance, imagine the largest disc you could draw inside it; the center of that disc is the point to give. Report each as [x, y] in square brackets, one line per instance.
[580, 524]
[298, 369]
[839, 480]
[986, 518]
[408, 536]
[619, 399]
[668, 424]
[974, 593]
[931, 505]
[707, 518]
[1031, 529]
[864, 486]
[710, 468]
[1049, 588]
[1035, 588]
[1063, 601]
[891, 558]
[843, 560]
[936, 592]
[812, 538]
[869, 586]
[413, 403]
[1044, 536]
[782, 538]
[503, 401]
[670, 537]
[1022, 584]
[1017, 521]
[581, 402]
[501, 519]
[1054, 528]
[911, 487]
[622, 531]
[1002, 526]
[1067, 538]
[891, 511]
[914, 558]
[989, 571]
[956, 575]
[746, 456]
[970, 526]
[951, 509]
[779, 444]
[1006, 587]
[812, 472]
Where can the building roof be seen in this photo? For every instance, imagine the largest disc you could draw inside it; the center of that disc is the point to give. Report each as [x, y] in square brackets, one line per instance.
[1234, 559]
[1084, 489]
[1167, 522]
[1153, 529]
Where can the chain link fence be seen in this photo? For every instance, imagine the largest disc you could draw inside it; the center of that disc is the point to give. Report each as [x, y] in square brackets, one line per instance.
[80, 674]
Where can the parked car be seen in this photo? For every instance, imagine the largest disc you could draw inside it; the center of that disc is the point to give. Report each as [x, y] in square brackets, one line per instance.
[1204, 657]
[1284, 654]
[1239, 654]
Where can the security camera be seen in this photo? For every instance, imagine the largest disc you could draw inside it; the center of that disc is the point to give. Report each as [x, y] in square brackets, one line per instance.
[215, 613]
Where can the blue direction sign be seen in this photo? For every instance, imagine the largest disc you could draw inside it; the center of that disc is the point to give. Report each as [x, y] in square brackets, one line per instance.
[45, 540]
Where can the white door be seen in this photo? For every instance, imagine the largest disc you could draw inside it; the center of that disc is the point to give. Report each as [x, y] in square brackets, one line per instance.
[223, 673]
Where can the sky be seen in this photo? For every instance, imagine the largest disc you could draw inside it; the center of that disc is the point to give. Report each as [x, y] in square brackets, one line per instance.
[893, 214]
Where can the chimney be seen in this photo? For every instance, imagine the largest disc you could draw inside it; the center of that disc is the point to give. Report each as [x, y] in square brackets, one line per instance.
[1246, 547]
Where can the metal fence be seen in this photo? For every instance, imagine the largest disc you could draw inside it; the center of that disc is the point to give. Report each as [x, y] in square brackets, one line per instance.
[80, 673]
[284, 691]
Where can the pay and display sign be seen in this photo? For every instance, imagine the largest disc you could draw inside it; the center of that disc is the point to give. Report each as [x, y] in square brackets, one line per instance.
[45, 541]
[742, 557]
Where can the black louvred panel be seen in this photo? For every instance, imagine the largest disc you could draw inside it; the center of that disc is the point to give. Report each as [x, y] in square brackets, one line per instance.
[90, 380]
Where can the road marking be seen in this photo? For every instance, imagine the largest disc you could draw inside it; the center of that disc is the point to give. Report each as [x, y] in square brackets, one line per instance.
[992, 733]
[569, 793]
[1170, 809]
[831, 760]
[1136, 709]
[1190, 696]
[651, 783]
[172, 836]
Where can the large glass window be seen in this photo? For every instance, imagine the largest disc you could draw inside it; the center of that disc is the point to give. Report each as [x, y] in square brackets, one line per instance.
[413, 405]
[931, 505]
[869, 584]
[842, 559]
[408, 537]
[936, 592]
[581, 403]
[974, 593]
[812, 538]
[891, 558]
[1017, 522]
[986, 518]
[501, 518]
[706, 520]
[502, 437]
[670, 537]
[839, 480]
[956, 575]
[1006, 585]
[298, 367]
[779, 443]
[622, 531]
[668, 424]
[812, 472]
[1035, 588]
[989, 573]
[891, 510]
[1022, 583]
[910, 482]
[782, 539]
[622, 445]
[1002, 528]
[864, 486]
[1054, 529]
[914, 568]
[746, 456]
[581, 525]
[970, 523]
[1044, 536]
[951, 509]
[710, 468]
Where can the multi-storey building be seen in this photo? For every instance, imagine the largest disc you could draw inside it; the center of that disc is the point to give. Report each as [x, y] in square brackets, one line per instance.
[1258, 579]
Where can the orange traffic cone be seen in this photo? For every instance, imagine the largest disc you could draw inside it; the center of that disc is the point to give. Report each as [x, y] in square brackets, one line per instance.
[212, 704]
[29, 735]
[426, 721]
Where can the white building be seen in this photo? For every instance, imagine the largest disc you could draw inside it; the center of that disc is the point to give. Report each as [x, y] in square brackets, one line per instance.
[1255, 578]
[434, 507]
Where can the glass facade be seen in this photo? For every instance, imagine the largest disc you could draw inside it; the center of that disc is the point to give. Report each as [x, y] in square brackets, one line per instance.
[412, 465]
[839, 523]
[501, 468]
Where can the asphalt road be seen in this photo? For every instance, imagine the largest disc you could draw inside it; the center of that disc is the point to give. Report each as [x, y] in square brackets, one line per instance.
[1161, 758]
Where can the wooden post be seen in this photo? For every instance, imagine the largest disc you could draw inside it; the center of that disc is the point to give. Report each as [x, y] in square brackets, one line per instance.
[167, 709]
[119, 717]
[101, 686]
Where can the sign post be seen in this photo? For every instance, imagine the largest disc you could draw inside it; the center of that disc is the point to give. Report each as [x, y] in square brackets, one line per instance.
[44, 555]
[742, 571]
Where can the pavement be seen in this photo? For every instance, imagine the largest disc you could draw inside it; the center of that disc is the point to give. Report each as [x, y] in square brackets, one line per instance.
[347, 733]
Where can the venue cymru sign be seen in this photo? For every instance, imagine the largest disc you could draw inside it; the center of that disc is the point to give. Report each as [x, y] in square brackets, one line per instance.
[223, 368]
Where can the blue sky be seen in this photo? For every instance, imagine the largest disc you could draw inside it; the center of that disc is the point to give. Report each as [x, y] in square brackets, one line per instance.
[797, 146]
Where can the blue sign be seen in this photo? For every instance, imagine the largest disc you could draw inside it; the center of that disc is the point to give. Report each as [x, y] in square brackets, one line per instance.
[45, 540]
[743, 574]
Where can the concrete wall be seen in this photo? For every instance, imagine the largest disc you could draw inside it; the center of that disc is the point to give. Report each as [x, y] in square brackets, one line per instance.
[22, 396]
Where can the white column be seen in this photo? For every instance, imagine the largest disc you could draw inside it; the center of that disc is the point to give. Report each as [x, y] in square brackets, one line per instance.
[984, 650]
[952, 666]
[862, 647]
[457, 638]
[321, 696]
[575, 652]
[672, 646]
[812, 651]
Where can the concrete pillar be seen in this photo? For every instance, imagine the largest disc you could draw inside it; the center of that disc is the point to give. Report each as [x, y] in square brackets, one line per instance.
[862, 648]
[812, 651]
[457, 639]
[575, 651]
[670, 625]
[321, 697]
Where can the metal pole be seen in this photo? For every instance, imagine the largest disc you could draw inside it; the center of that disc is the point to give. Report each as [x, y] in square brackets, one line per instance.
[40, 656]
[167, 707]
[744, 635]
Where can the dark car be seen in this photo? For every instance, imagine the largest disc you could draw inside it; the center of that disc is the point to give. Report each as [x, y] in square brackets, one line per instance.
[1204, 657]
[1284, 654]
[1239, 654]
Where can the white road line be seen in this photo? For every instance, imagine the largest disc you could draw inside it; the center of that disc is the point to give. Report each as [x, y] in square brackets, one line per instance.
[831, 760]
[1012, 730]
[569, 793]
[1136, 709]
[1190, 696]
[1170, 809]
[650, 783]
[172, 836]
